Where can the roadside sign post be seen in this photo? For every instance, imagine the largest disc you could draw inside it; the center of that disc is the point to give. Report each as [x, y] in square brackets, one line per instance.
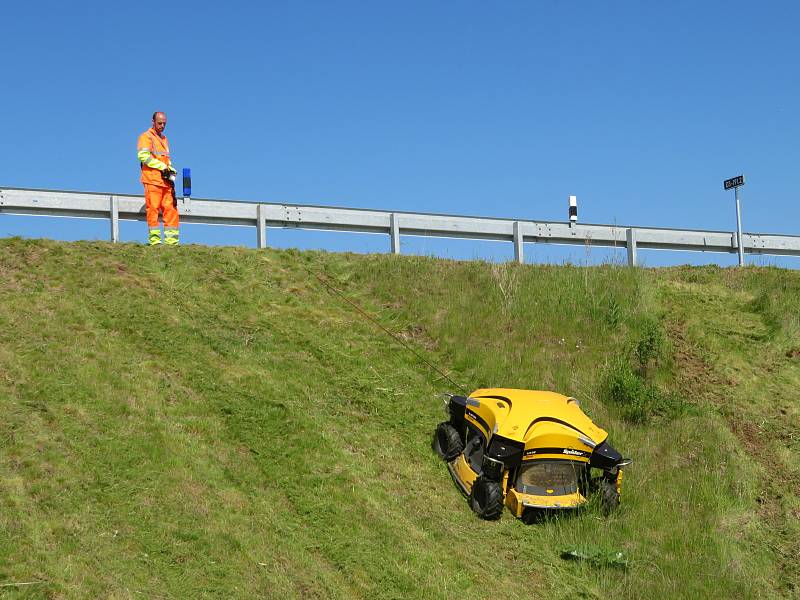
[736, 183]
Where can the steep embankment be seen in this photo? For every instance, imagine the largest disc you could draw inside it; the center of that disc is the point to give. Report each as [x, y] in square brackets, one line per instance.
[198, 422]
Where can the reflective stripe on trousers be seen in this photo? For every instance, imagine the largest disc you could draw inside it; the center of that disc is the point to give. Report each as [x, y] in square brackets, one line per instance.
[171, 237]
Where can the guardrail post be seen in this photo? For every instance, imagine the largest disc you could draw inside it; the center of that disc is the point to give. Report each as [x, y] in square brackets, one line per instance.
[261, 226]
[518, 239]
[114, 208]
[394, 231]
[630, 235]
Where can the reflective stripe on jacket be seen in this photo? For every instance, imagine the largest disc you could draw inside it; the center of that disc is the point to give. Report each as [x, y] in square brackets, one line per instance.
[153, 154]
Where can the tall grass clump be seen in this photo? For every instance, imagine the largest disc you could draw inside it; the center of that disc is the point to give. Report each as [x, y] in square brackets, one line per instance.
[638, 399]
[509, 325]
[777, 300]
[649, 349]
[629, 380]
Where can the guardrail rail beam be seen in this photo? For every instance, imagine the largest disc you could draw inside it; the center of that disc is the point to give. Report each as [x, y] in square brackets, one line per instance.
[261, 215]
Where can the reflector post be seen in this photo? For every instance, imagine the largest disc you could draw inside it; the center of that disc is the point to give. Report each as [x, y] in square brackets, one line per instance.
[573, 210]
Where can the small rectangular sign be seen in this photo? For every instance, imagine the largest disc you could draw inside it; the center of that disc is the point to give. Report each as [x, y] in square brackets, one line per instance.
[734, 182]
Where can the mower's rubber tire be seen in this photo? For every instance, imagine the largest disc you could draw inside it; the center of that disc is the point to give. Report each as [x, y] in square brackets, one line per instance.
[486, 499]
[447, 443]
[609, 497]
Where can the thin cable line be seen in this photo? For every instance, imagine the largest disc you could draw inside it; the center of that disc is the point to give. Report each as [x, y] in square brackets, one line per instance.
[331, 288]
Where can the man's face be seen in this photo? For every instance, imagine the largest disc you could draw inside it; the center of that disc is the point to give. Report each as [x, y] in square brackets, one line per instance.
[160, 123]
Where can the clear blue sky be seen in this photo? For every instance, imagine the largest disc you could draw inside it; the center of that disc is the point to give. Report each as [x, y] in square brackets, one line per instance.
[497, 109]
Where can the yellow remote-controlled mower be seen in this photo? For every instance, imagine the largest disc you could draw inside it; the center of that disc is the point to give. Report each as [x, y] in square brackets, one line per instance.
[532, 451]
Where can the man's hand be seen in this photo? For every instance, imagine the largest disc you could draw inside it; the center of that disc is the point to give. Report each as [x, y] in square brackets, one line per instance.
[168, 174]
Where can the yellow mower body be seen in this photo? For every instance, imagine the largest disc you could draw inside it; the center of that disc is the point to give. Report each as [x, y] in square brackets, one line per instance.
[532, 451]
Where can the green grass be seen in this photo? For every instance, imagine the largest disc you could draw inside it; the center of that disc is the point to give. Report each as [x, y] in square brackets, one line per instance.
[211, 422]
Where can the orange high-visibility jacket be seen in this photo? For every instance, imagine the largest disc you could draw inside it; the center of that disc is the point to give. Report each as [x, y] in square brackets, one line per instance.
[153, 153]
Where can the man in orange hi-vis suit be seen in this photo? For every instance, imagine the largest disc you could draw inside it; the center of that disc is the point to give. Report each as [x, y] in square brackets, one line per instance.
[159, 195]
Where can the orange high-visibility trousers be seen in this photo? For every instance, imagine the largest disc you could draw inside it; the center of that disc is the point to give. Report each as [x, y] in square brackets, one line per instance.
[159, 198]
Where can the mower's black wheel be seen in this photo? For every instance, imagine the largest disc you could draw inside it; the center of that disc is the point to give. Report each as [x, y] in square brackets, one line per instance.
[447, 443]
[608, 495]
[486, 499]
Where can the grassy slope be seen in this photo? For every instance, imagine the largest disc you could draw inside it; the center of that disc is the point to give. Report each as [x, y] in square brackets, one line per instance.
[200, 422]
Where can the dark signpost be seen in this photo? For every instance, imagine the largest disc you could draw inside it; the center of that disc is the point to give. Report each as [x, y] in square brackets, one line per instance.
[736, 183]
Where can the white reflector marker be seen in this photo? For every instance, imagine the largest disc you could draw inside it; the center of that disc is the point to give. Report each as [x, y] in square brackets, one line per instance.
[573, 210]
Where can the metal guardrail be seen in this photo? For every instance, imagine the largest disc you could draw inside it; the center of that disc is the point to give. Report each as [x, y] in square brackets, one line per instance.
[116, 207]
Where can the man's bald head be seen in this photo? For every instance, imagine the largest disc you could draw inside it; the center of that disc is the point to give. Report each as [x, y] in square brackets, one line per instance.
[159, 122]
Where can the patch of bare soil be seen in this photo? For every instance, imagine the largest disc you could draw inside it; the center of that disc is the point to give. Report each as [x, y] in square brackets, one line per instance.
[696, 378]
[416, 335]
